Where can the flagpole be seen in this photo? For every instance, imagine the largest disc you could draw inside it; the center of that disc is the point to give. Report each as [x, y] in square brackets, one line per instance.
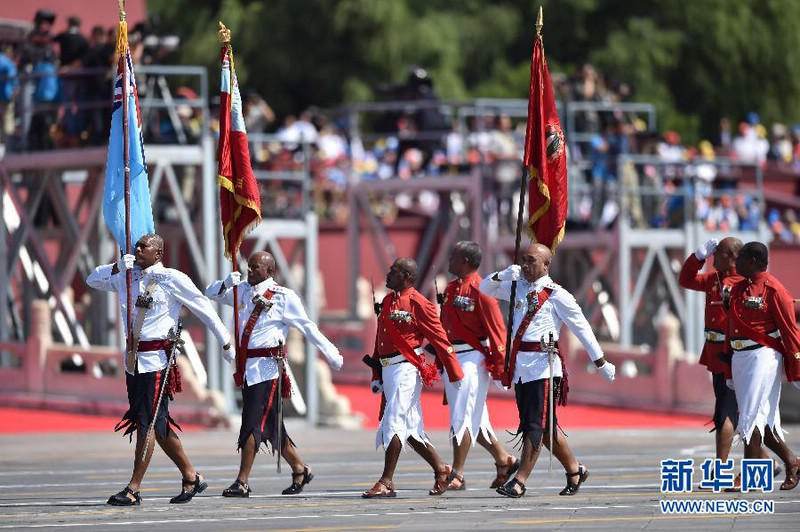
[520, 215]
[122, 49]
[225, 37]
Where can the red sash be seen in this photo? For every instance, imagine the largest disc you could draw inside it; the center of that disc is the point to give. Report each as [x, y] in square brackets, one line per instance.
[523, 326]
[427, 371]
[241, 353]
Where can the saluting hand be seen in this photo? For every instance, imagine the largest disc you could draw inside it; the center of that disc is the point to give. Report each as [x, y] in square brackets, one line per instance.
[126, 263]
[512, 273]
[233, 279]
[706, 250]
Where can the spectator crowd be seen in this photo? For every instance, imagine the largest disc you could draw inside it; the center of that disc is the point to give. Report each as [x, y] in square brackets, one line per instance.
[55, 90]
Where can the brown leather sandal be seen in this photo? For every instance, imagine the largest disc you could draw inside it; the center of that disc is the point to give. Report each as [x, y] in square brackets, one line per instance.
[456, 482]
[381, 489]
[792, 478]
[440, 481]
[505, 471]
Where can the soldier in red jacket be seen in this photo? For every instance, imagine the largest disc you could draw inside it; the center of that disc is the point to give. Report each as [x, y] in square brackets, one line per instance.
[762, 334]
[475, 327]
[717, 287]
[405, 320]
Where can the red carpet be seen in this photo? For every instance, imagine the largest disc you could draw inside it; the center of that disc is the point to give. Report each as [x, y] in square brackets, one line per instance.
[503, 413]
[22, 421]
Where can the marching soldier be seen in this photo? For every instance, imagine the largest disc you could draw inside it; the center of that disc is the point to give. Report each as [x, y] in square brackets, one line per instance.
[266, 311]
[717, 287]
[475, 327]
[159, 293]
[540, 308]
[762, 334]
[405, 320]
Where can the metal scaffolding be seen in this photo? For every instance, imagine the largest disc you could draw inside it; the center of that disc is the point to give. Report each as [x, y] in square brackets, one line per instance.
[51, 208]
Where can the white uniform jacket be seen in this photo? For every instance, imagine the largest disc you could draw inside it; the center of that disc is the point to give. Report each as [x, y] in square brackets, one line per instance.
[173, 291]
[559, 308]
[285, 310]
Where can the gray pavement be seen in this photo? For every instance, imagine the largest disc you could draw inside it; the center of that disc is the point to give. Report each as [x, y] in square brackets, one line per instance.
[58, 481]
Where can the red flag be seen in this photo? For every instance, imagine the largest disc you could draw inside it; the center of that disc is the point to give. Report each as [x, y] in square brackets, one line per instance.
[545, 156]
[240, 200]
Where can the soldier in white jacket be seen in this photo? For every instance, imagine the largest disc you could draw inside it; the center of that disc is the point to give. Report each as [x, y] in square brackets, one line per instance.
[158, 294]
[540, 308]
[266, 310]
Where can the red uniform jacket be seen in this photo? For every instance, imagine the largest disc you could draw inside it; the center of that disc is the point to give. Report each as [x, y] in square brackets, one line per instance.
[716, 313]
[424, 324]
[776, 313]
[479, 315]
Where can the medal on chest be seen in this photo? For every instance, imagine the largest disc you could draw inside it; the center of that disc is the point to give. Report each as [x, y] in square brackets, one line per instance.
[754, 303]
[400, 316]
[533, 302]
[464, 303]
[262, 302]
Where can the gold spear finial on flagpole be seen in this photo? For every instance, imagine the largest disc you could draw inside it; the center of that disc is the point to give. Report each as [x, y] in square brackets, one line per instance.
[539, 22]
[224, 34]
[122, 29]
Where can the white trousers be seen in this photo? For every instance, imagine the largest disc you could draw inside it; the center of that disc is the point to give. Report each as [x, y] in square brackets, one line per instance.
[757, 383]
[468, 409]
[402, 416]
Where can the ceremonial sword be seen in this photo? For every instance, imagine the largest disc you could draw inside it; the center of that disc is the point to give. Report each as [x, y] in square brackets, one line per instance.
[550, 401]
[279, 394]
[174, 338]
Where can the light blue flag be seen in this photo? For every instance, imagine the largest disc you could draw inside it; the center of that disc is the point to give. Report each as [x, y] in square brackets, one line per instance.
[114, 193]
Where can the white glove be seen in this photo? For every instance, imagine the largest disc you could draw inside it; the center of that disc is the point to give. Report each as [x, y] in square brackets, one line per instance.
[233, 279]
[126, 263]
[512, 273]
[458, 383]
[608, 370]
[336, 362]
[729, 383]
[377, 388]
[705, 250]
[796, 384]
[229, 354]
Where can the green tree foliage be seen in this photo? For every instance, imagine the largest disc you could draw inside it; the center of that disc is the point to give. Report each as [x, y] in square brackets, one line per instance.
[698, 60]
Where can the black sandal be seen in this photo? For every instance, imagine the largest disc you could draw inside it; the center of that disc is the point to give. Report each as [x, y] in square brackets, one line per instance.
[572, 488]
[237, 489]
[122, 499]
[297, 487]
[186, 496]
[508, 489]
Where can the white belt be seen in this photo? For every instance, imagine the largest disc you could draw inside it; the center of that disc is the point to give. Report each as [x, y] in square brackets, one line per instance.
[746, 344]
[463, 347]
[397, 359]
[714, 336]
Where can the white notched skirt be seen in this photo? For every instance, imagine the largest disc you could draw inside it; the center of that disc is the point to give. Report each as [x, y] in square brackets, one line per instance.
[757, 383]
[402, 416]
[468, 409]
